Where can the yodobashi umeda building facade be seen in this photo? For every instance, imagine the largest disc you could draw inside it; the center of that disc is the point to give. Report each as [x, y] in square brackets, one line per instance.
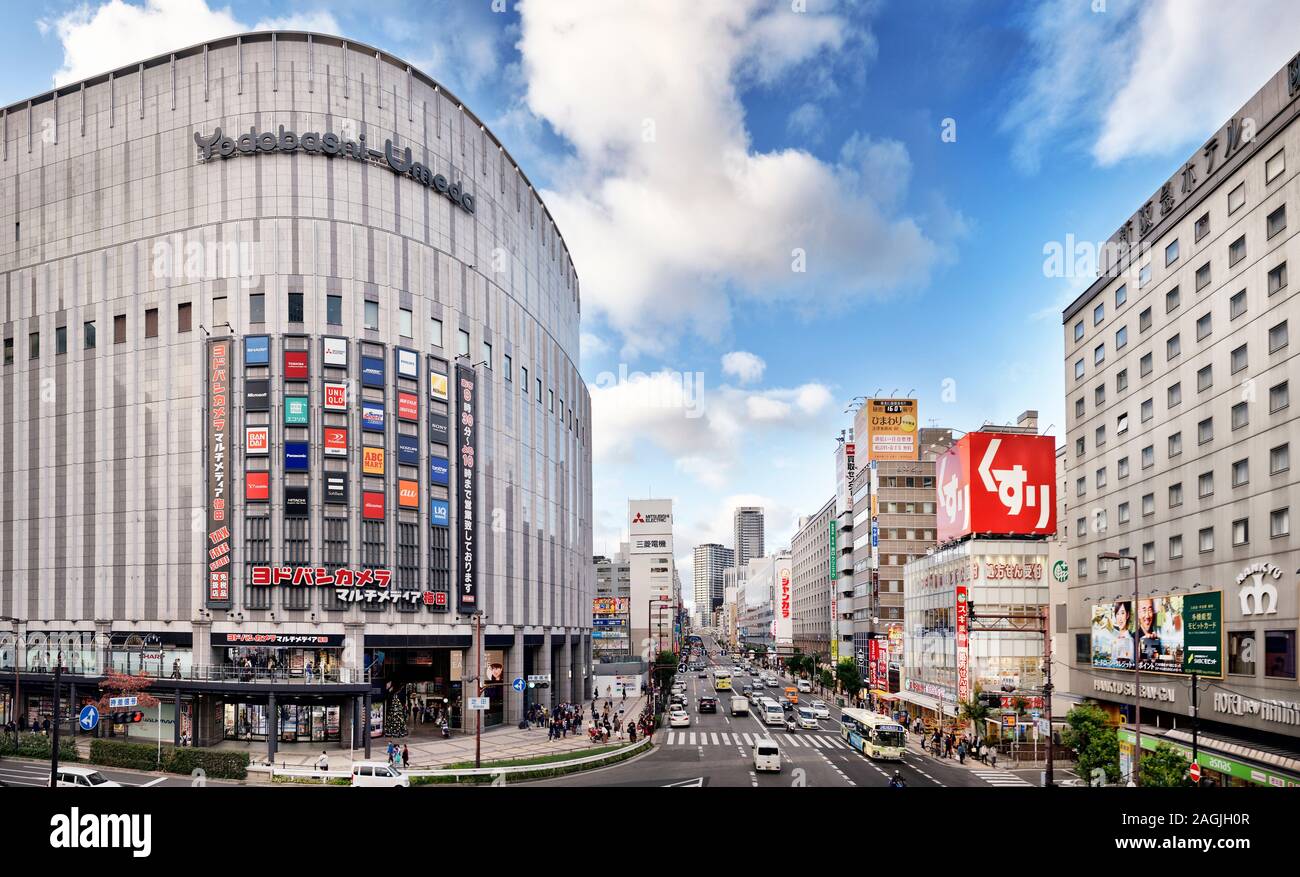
[290, 392]
[1178, 370]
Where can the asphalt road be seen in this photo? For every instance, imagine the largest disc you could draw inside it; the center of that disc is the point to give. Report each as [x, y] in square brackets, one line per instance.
[717, 750]
[17, 773]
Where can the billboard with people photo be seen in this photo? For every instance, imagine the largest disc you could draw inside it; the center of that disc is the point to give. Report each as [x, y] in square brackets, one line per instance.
[1175, 633]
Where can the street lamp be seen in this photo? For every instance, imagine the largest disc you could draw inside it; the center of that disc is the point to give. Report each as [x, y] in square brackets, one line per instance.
[1136, 778]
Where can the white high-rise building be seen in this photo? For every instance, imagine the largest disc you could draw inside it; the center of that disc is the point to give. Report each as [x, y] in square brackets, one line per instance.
[650, 547]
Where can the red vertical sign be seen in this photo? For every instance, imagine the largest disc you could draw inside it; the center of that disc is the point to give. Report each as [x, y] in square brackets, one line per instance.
[963, 646]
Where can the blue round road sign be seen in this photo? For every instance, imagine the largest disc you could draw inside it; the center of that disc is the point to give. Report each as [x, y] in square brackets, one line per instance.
[518, 684]
[89, 718]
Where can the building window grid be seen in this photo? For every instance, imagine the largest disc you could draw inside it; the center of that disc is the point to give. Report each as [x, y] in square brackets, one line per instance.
[297, 552]
[257, 552]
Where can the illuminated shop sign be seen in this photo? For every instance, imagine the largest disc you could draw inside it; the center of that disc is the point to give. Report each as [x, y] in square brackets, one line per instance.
[372, 505]
[257, 486]
[257, 395]
[295, 365]
[295, 501]
[437, 386]
[372, 461]
[218, 498]
[257, 350]
[408, 494]
[336, 441]
[438, 429]
[439, 513]
[295, 456]
[465, 406]
[295, 410]
[336, 488]
[335, 351]
[331, 145]
[408, 406]
[408, 450]
[372, 416]
[257, 440]
[408, 364]
[439, 470]
[336, 397]
[372, 371]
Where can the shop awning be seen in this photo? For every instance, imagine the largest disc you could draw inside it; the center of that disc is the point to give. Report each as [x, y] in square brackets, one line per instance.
[886, 696]
[930, 703]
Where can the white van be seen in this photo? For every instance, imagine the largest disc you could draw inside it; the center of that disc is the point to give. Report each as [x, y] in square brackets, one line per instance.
[82, 777]
[772, 713]
[766, 755]
[378, 773]
[739, 706]
[804, 686]
[807, 719]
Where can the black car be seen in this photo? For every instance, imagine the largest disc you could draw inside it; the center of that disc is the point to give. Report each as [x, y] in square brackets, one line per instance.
[708, 704]
[747, 690]
[787, 706]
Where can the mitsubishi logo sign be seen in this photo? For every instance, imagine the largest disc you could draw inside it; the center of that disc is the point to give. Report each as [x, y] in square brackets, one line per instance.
[637, 519]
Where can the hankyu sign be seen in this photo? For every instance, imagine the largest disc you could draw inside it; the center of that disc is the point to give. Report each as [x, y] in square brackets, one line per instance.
[1259, 597]
[996, 483]
[891, 429]
[218, 485]
[331, 145]
[465, 410]
[336, 397]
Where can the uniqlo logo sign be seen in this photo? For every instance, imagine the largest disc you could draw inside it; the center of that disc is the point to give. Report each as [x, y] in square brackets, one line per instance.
[372, 505]
[408, 406]
[996, 483]
[336, 397]
[295, 365]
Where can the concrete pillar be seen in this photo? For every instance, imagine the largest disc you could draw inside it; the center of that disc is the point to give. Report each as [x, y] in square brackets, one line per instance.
[202, 647]
[272, 727]
[586, 667]
[545, 696]
[564, 684]
[176, 716]
[577, 687]
[514, 670]
[365, 723]
[473, 675]
[354, 651]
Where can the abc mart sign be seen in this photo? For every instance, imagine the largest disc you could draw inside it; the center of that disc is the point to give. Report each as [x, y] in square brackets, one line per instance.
[331, 145]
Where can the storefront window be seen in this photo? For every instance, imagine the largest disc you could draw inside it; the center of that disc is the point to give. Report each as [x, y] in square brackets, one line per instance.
[1241, 652]
[1279, 654]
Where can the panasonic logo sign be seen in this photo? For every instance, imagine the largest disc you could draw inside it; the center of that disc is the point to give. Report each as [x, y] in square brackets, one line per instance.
[331, 145]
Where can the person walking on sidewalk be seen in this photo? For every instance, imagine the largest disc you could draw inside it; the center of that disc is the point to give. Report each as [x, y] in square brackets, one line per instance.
[961, 752]
[406, 757]
[323, 763]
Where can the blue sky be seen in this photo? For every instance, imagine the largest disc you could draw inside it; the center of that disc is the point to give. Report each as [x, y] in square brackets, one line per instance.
[697, 155]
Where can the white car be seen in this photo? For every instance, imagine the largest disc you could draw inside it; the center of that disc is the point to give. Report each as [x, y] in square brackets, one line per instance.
[679, 719]
[807, 720]
[804, 686]
[767, 756]
[368, 774]
[820, 709]
[81, 777]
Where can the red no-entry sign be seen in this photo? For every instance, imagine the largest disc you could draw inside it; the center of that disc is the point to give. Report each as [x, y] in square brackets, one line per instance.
[1195, 771]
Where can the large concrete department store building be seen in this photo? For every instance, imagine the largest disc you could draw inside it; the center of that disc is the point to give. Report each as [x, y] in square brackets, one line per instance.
[280, 409]
[1178, 365]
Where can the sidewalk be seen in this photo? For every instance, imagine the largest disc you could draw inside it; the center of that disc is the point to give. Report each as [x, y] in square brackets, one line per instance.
[498, 744]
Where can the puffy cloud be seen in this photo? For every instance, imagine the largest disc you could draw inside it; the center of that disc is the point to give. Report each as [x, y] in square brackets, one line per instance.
[668, 210]
[744, 366]
[766, 408]
[1094, 76]
[104, 36]
[806, 121]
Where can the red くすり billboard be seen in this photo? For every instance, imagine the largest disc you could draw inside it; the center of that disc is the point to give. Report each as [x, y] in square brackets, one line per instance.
[997, 483]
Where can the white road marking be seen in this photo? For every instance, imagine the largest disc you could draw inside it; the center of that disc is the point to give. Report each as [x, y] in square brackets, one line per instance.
[153, 782]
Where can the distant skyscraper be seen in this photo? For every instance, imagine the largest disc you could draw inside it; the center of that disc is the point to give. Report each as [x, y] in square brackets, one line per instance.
[710, 560]
[749, 542]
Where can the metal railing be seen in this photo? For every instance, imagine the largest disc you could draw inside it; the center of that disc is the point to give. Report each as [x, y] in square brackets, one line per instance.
[223, 673]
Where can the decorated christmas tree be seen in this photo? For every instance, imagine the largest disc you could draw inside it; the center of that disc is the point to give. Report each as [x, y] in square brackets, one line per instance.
[394, 717]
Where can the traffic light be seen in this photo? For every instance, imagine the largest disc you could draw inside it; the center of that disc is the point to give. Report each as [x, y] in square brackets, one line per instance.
[129, 718]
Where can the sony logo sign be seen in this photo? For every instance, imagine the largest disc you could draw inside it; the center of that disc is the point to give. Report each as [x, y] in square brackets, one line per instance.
[331, 146]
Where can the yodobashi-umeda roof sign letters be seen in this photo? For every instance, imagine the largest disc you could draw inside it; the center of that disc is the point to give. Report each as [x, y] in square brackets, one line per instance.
[998, 483]
[399, 161]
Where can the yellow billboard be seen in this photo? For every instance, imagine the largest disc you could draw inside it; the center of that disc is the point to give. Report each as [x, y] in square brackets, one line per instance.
[891, 429]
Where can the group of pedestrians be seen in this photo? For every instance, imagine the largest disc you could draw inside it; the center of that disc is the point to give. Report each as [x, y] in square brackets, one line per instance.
[560, 721]
[946, 745]
[38, 726]
[396, 754]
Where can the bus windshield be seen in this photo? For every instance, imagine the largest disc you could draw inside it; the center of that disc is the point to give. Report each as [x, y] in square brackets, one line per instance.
[888, 735]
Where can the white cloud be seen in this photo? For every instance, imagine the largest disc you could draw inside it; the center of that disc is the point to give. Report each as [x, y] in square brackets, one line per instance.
[104, 36]
[592, 344]
[1149, 79]
[806, 121]
[746, 367]
[668, 210]
[765, 408]
[812, 398]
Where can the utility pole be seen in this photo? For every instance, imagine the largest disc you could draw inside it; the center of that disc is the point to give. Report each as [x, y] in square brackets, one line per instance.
[1196, 719]
[1049, 779]
[478, 682]
[54, 743]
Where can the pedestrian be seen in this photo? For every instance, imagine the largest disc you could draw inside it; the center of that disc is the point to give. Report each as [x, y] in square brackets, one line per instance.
[176, 669]
[961, 751]
[323, 763]
[993, 757]
[406, 757]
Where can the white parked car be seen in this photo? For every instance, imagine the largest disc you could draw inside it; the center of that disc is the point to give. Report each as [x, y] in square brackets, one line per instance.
[378, 773]
[820, 709]
[767, 756]
[81, 777]
[679, 719]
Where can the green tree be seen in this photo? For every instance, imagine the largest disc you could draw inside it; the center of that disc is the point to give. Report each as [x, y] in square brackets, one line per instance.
[974, 712]
[849, 677]
[1090, 734]
[1164, 767]
[827, 679]
[665, 667]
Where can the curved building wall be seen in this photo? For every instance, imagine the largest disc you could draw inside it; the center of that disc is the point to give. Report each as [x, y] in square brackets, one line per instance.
[109, 215]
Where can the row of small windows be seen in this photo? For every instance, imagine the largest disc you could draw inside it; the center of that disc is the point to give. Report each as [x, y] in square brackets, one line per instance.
[90, 335]
[1278, 338]
[1279, 461]
[1279, 526]
[1274, 224]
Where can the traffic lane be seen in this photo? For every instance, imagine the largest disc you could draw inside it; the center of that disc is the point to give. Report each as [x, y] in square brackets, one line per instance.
[36, 774]
[815, 765]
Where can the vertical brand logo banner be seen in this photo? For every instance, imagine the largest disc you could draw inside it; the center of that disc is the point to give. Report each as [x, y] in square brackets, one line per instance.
[963, 646]
[219, 505]
[464, 417]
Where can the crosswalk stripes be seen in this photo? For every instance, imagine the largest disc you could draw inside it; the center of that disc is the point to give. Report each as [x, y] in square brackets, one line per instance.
[737, 738]
[1001, 778]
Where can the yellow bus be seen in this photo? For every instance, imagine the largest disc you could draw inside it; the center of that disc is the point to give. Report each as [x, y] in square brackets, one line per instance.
[721, 680]
[873, 735]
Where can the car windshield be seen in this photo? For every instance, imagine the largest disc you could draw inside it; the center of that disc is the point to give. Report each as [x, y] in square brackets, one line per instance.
[95, 778]
[767, 750]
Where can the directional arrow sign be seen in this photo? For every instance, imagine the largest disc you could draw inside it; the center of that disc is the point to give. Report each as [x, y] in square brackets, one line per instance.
[88, 718]
[518, 684]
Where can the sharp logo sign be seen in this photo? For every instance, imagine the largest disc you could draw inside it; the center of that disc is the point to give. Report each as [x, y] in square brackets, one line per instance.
[329, 144]
[998, 483]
